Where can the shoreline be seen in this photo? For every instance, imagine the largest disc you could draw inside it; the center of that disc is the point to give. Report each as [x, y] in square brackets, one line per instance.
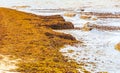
[50, 34]
[36, 45]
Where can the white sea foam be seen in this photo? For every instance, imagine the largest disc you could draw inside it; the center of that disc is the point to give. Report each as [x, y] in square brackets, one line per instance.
[88, 5]
[99, 47]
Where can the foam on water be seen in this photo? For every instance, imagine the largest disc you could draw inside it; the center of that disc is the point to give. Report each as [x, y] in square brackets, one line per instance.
[99, 52]
[88, 5]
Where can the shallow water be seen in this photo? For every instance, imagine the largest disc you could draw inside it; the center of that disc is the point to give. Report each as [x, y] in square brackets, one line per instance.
[75, 5]
[98, 51]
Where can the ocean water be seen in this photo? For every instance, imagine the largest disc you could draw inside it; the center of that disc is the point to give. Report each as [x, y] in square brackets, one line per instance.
[98, 50]
[89, 5]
